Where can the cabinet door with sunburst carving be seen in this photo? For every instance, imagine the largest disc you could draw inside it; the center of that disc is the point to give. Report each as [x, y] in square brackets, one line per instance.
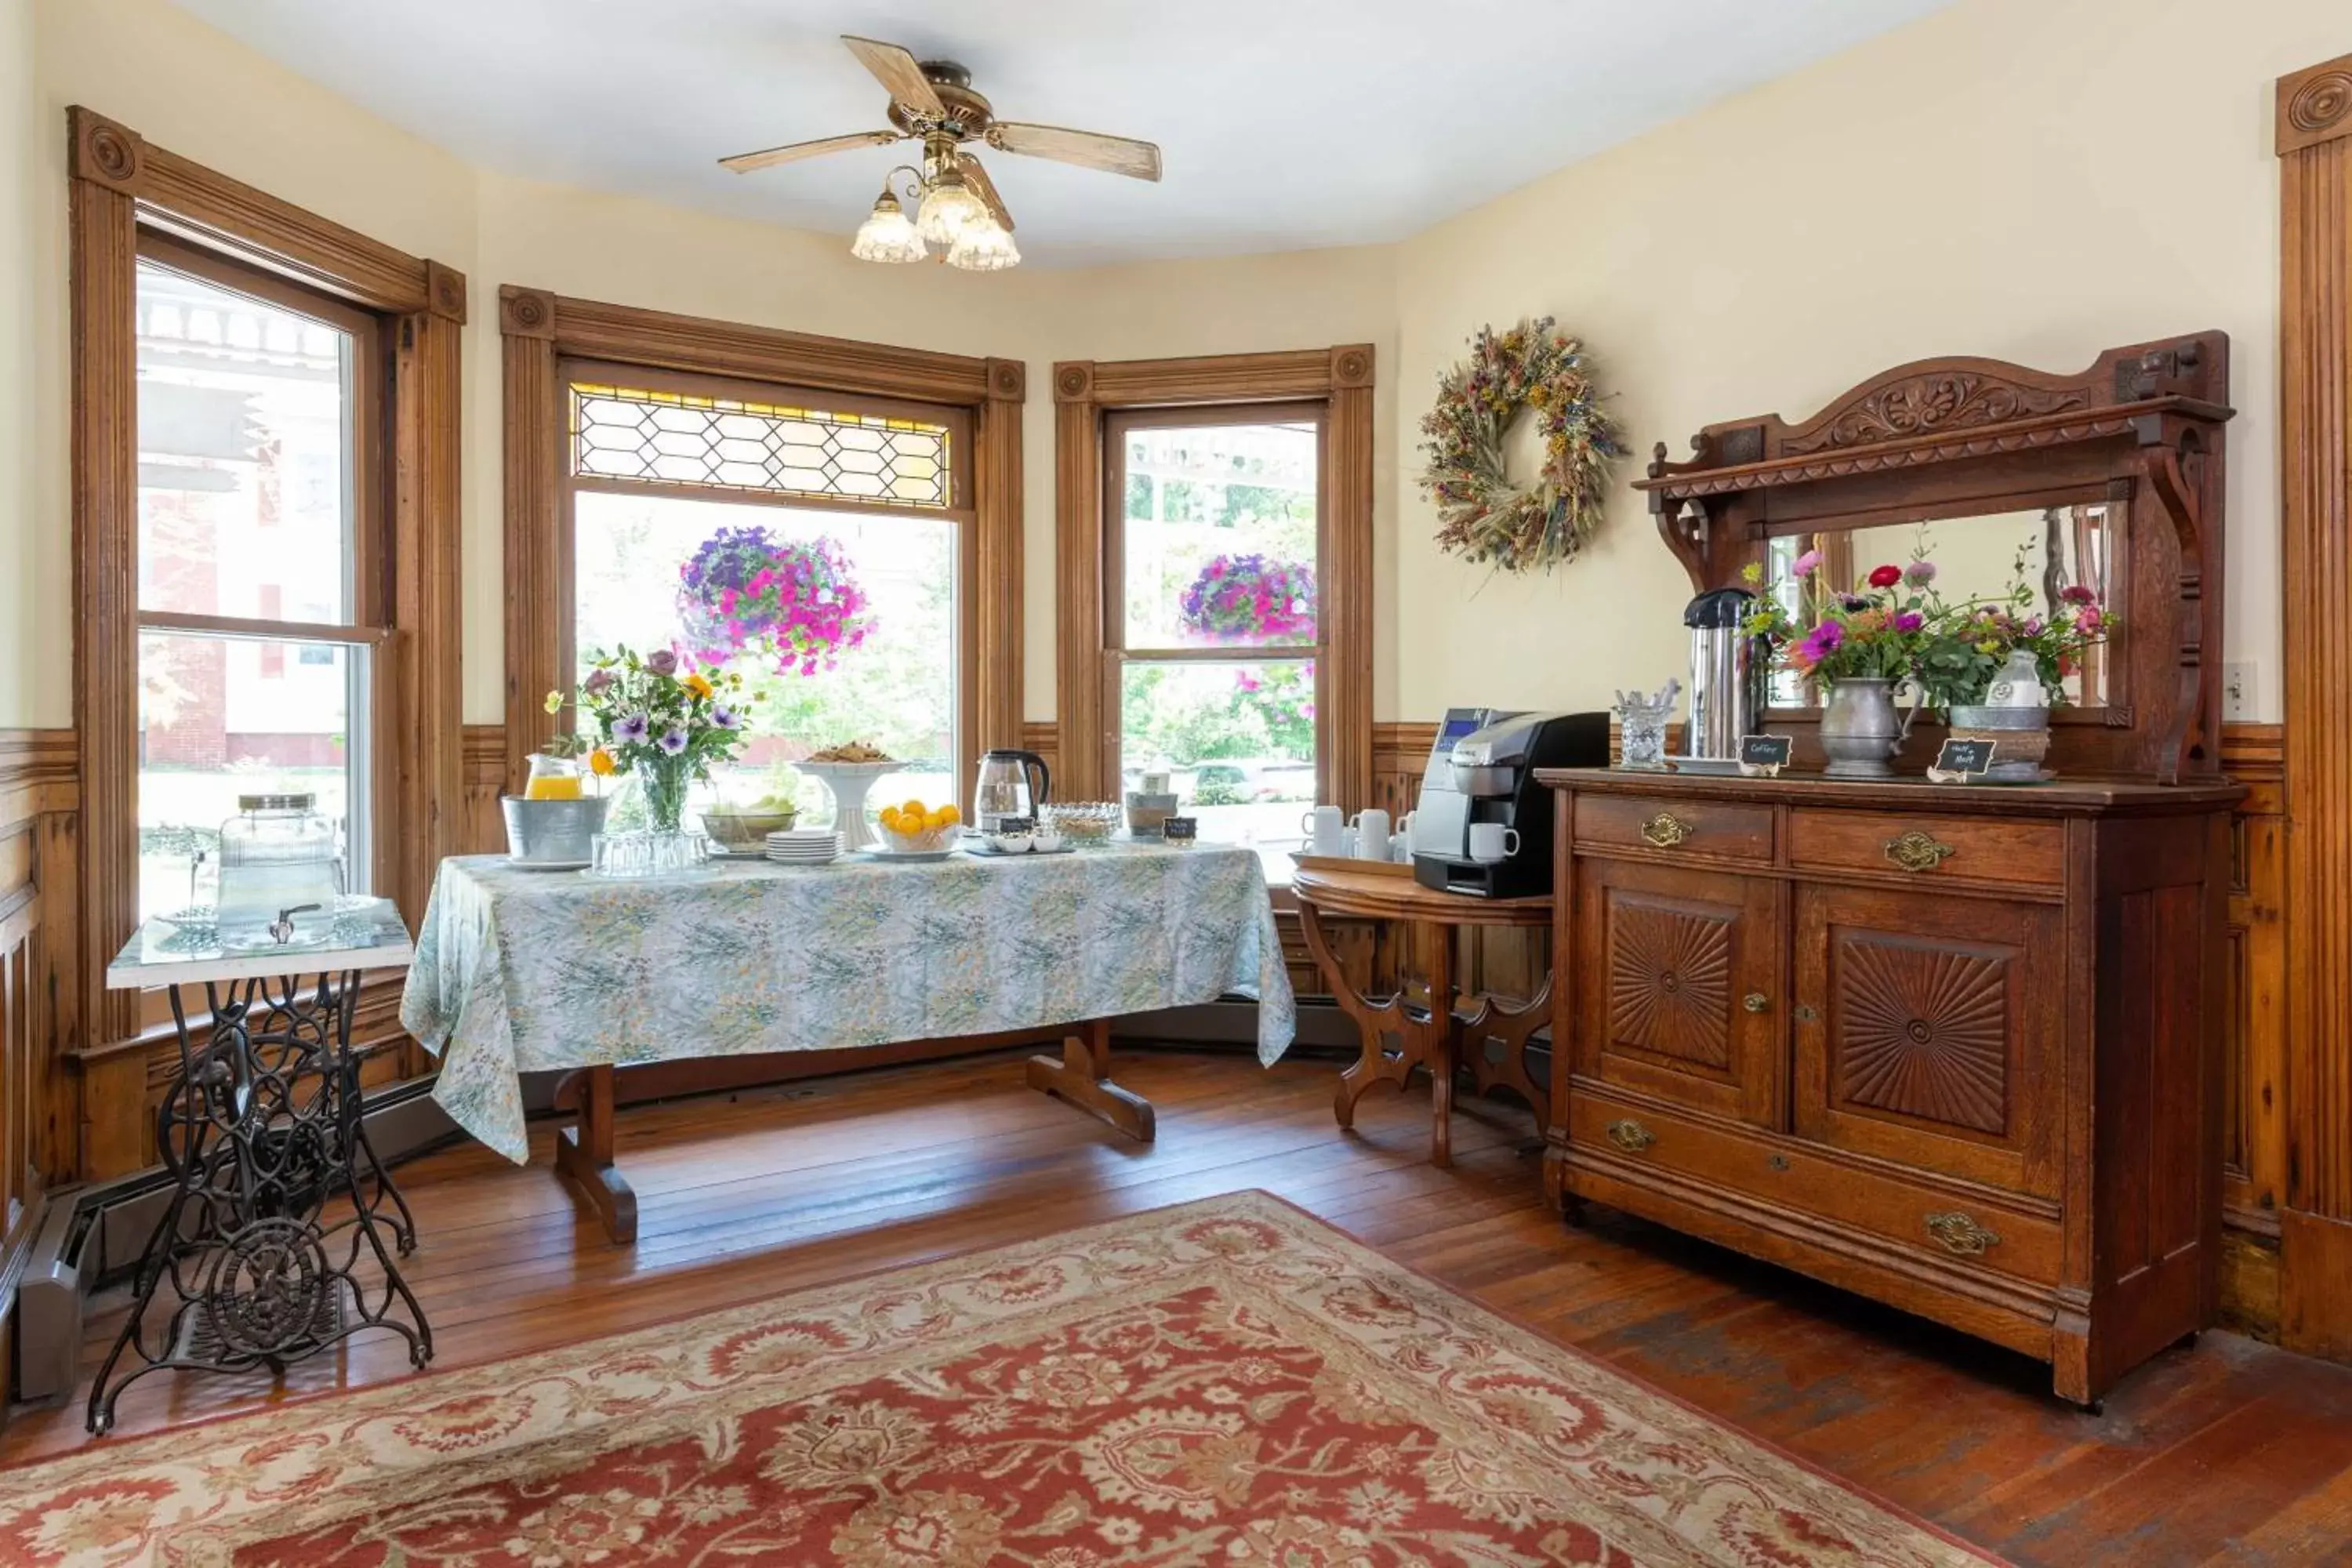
[1677, 973]
[1924, 1037]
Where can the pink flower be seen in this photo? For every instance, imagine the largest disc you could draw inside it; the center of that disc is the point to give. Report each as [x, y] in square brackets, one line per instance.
[1909, 621]
[1808, 563]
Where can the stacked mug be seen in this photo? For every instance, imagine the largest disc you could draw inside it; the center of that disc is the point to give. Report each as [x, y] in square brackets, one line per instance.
[1332, 836]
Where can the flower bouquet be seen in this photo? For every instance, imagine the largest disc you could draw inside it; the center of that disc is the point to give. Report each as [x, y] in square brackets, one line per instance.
[1250, 599]
[654, 717]
[1996, 667]
[1857, 643]
[745, 590]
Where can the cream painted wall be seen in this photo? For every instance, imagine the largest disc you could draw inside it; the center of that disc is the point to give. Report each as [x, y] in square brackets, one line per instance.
[20, 196]
[2031, 180]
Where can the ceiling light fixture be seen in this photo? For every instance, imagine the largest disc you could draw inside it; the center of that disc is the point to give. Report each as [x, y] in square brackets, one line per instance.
[956, 207]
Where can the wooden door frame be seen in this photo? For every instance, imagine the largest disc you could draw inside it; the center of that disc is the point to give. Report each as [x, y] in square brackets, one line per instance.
[541, 331]
[2315, 148]
[120, 184]
[1084, 393]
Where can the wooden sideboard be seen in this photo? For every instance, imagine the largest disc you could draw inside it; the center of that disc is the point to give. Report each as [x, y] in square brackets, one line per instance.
[1957, 1049]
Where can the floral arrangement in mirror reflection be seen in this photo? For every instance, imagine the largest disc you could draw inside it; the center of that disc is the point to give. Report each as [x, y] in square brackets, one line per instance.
[1250, 599]
[1874, 631]
[1980, 643]
[744, 590]
[659, 718]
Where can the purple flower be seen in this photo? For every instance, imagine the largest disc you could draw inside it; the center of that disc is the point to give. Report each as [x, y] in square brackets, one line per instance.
[672, 742]
[726, 719]
[1854, 603]
[1823, 640]
[1807, 562]
[598, 681]
[1909, 621]
[633, 728]
[1919, 573]
[661, 661]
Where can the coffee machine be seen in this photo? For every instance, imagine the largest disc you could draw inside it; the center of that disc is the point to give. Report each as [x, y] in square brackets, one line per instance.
[1483, 770]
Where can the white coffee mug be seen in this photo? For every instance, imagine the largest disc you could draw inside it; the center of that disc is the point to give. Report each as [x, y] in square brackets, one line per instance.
[1322, 826]
[1491, 841]
[1373, 832]
[1348, 845]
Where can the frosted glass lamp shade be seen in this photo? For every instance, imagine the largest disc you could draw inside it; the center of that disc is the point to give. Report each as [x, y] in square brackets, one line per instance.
[949, 209]
[984, 247]
[886, 235]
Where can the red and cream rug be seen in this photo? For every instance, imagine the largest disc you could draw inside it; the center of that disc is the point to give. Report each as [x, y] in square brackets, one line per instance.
[1227, 1382]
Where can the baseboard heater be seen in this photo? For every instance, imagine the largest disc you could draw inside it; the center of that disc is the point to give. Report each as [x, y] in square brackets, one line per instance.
[93, 1235]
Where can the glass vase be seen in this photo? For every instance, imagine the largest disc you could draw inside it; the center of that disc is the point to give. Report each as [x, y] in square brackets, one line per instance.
[665, 783]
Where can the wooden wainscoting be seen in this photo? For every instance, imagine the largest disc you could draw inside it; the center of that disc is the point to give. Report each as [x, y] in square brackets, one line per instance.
[39, 813]
[482, 768]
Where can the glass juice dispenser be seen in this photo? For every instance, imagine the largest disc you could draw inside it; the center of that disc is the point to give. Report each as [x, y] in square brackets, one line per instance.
[277, 855]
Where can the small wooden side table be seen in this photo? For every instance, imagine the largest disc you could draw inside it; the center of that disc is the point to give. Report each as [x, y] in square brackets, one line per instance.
[1398, 1037]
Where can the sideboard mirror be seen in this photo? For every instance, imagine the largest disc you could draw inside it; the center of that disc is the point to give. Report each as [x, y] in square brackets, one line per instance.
[2111, 478]
[1977, 559]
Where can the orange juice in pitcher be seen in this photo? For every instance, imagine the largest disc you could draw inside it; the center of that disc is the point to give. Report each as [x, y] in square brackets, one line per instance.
[551, 778]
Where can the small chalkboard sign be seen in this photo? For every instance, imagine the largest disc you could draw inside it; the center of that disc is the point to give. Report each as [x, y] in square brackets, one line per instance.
[1968, 758]
[1766, 755]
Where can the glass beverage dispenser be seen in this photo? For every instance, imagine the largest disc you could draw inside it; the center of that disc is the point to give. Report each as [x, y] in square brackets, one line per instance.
[277, 855]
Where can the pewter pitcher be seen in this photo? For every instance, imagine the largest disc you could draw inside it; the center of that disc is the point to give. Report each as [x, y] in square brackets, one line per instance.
[1861, 728]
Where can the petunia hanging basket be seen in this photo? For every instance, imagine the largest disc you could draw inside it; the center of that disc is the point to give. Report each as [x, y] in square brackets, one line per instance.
[745, 591]
[1483, 516]
[1250, 599]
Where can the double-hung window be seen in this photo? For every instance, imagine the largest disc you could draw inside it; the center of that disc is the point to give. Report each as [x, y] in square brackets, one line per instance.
[261, 586]
[1213, 546]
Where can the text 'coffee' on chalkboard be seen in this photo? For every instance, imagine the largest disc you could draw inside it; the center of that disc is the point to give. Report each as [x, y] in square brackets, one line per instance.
[1765, 750]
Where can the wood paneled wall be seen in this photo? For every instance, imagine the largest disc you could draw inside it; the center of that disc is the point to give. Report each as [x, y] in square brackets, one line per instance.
[39, 995]
[2315, 147]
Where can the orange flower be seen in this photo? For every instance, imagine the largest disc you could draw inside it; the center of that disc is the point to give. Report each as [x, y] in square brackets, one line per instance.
[599, 763]
[698, 683]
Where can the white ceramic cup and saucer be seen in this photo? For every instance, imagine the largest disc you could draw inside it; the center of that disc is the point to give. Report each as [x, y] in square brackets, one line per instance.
[1491, 842]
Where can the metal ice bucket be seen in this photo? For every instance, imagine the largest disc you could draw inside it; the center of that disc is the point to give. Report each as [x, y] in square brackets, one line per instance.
[552, 832]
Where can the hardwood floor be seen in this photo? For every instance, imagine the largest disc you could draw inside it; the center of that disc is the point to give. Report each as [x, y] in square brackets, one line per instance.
[2229, 1453]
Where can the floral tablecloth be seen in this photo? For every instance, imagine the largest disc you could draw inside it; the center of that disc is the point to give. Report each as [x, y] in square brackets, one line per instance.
[526, 971]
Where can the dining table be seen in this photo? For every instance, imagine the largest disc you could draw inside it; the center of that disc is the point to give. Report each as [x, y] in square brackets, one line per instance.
[520, 970]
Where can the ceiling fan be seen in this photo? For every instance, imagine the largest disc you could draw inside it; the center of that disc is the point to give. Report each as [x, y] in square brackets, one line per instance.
[956, 204]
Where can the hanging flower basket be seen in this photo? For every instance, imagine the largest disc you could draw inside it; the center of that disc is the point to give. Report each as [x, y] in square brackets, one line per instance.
[744, 591]
[1484, 517]
[1250, 599]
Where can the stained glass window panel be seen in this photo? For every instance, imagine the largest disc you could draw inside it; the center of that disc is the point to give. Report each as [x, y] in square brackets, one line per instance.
[618, 432]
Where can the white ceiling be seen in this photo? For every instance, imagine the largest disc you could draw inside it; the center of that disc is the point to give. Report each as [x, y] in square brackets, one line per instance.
[1287, 124]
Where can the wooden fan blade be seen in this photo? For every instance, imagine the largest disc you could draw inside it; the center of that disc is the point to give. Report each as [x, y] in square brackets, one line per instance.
[1087, 149]
[744, 163]
[984, 188]
[899, 72]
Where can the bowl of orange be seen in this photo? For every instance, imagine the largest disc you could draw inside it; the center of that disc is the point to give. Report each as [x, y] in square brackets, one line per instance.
[911, 827]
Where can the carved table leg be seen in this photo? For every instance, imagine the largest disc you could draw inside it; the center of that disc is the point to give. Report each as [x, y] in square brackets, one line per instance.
[1438, 1047]
[1083, 1078]
[1511, 1027]
[1421, 1042]
[583, 1154]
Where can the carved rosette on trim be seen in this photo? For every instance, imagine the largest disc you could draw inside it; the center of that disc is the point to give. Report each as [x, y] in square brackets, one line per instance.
[105, 153]
[526, 312]
[1008, 381]
[1924, 404]
[444, 292]
[2316, 105]
[1074, 381]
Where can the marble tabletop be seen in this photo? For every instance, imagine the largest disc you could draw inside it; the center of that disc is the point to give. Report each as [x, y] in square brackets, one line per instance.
[367, 934]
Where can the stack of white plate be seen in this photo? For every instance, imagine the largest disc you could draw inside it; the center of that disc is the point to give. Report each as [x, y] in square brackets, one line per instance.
[805, 847]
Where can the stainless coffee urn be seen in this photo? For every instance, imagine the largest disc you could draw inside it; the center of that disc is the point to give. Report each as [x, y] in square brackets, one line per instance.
[1728, 670]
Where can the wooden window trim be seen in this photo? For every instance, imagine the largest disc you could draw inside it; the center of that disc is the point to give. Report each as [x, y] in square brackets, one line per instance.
[544, 335]
[120, 186]
[1086, 393]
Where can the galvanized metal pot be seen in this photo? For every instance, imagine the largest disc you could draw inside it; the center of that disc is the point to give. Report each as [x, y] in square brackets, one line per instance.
[2021, 738]
[552, 832]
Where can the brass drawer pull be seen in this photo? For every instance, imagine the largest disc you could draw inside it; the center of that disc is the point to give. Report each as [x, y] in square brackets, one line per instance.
[1957, 1233]
[1917, 851]
[1630, 1136]
[1757, 1002]
[1665, 830]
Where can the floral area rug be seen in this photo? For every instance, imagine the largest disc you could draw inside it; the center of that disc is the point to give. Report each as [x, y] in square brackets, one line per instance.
[1226, 1382]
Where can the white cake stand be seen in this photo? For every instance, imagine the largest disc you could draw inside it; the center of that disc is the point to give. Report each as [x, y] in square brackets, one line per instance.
[848, 783]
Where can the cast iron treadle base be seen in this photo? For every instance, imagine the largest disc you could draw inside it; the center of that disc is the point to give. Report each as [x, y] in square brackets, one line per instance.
[261, 1130]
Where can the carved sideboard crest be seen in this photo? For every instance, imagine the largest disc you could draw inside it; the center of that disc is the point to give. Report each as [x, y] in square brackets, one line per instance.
[1940, 400]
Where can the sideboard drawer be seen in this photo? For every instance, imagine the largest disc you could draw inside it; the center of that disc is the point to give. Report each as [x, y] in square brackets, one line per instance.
[1980, 849]
[1784, 1171]
[1729, 830]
